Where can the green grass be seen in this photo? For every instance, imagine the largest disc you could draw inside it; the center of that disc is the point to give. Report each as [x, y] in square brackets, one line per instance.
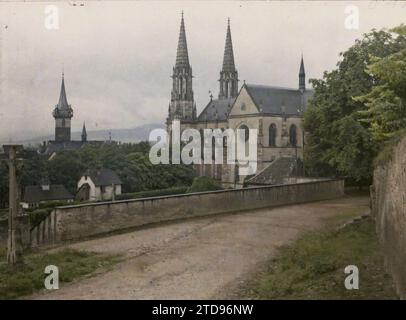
[313, 266]
[28, 277]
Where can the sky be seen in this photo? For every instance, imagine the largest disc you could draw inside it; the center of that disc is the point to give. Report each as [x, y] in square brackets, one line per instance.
[118, 56]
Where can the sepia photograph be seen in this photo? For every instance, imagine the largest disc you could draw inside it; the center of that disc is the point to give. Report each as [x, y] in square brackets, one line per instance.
[202, 155]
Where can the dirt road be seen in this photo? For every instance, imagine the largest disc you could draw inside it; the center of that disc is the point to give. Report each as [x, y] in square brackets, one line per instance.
[197, 259]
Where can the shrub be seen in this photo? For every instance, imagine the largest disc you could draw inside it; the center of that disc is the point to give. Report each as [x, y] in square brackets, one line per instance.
[152, 193]
[37, 216]
[203, 183]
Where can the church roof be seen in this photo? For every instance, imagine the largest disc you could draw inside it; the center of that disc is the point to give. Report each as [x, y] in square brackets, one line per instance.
[63, 101]
[276, 171]
[302, 69]
[277, 100]
[219, 107]
[228, 60]
[182, 56]
[63, 109]
[84, 133]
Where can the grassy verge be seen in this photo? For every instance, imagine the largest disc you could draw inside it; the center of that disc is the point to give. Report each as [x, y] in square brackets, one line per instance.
[313, 267]
[28, 277]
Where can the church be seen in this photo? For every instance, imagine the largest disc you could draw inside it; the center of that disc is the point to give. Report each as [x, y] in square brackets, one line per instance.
[276, 112]
[63, 114]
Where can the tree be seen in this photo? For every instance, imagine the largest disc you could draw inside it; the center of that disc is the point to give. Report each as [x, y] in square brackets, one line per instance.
[337, 142]
[385, 115]
[204, 183]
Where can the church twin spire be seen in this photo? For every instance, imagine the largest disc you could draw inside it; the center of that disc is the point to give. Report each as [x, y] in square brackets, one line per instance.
[182, 56]
[228, 74]
[182, 103]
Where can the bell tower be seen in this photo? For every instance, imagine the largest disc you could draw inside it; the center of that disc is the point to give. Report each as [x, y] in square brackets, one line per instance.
[63, 114]
[182, 105]
[228, 74]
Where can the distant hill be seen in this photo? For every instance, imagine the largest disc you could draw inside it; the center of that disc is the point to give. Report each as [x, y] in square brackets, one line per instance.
[136, 134]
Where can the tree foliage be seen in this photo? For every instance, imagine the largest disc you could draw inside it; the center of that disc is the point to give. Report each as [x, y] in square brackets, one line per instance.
[129, 161]
[338, 142]
[385, 115]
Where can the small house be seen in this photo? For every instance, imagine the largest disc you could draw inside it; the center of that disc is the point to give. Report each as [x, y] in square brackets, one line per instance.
[45, 192]
[98, 184]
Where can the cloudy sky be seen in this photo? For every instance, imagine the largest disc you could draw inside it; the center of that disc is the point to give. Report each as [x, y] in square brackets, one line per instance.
[118, 55]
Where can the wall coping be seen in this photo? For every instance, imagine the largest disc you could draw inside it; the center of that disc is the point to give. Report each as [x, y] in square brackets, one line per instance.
[93, 204]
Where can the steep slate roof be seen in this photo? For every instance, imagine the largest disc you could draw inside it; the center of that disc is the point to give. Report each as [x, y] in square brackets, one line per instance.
[63, 101]
[228, 59]
[302, 69]
[275, 172]
[220, 105]
[270, 99]
[103, 177]
[63, 109]
[55, 192]
[182, 57]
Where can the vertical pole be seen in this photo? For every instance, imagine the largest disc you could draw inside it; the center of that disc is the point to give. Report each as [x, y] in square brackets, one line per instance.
[11, 248]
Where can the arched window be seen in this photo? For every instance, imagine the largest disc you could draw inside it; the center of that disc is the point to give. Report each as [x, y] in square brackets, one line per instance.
[272, 135]
[247, 131]
[202, 142]
[292, 135]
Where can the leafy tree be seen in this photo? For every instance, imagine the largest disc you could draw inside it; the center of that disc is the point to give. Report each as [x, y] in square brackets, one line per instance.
[204, 184]
[385, 115]
[337, 142]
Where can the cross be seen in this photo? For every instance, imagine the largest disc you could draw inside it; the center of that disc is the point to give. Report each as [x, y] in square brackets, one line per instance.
[11, 150]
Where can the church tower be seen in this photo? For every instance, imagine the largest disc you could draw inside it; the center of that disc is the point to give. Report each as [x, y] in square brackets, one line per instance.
[63, 114]
[182, 105]
[302, 77]
[228, 74]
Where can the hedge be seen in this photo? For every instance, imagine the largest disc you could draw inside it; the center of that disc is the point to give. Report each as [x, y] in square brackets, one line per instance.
[152, 193]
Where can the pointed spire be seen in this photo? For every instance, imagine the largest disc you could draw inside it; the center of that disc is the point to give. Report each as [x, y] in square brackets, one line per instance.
[182, 57]
[228, 60]
[302, 76]
[302, 70]
[84, 133]
[63, 102]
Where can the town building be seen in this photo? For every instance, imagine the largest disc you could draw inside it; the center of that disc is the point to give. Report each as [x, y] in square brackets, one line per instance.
[98, 184]
[33, 196]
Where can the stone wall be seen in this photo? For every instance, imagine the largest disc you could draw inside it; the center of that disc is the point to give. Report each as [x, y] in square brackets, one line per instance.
[81, 221]
[388, 200]
[23, 226]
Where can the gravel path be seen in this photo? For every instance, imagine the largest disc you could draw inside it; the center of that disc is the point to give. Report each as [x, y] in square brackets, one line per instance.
[197, 259]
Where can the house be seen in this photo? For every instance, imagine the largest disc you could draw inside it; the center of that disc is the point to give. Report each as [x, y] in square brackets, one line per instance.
[45, 192]
[98, 184]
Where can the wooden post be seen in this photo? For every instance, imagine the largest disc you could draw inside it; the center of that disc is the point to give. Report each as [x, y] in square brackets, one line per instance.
[13, 203]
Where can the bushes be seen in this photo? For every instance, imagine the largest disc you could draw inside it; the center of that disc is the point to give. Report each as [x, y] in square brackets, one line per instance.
[152, 193]
[201, 184]
[38, 215]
